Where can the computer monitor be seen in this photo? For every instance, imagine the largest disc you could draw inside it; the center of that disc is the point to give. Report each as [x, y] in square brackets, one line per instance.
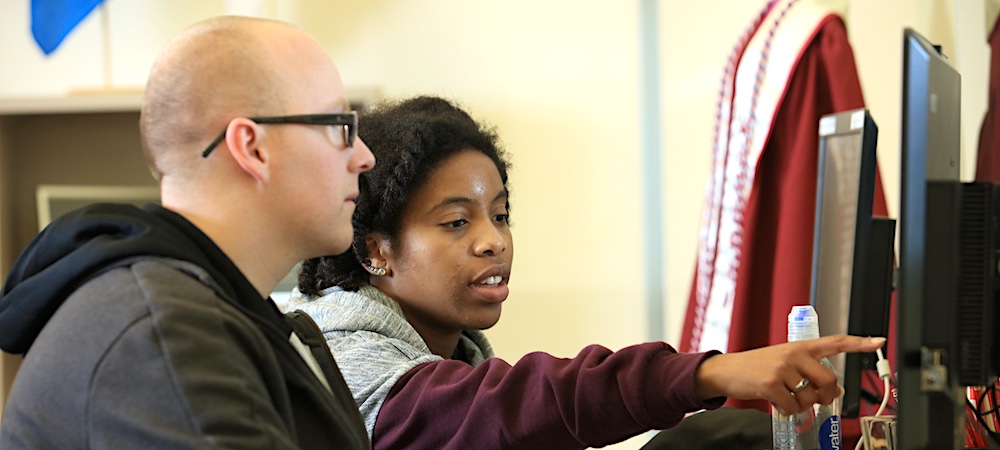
[852, 251]
[930, 404]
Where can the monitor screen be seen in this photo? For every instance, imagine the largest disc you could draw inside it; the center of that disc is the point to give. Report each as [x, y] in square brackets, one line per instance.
[838, 219]
[846, 255]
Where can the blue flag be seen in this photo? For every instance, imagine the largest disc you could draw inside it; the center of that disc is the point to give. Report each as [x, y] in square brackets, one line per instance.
[52, 20]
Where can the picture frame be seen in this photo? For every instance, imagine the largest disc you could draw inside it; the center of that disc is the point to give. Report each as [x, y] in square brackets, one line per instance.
[54, 200]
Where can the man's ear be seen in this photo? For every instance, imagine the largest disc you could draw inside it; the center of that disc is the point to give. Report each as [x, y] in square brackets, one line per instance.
[244, 139]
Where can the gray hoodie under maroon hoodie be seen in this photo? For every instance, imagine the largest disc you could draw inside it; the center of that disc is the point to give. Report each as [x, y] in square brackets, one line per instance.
[411, 398]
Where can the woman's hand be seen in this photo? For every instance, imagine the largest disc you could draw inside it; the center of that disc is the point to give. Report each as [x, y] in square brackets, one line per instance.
[776, 373]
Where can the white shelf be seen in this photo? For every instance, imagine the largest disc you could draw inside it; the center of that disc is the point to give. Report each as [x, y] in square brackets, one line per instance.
[124, 100]
[78, 103]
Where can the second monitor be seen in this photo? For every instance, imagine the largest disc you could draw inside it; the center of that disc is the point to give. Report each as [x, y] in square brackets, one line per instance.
[852, 251]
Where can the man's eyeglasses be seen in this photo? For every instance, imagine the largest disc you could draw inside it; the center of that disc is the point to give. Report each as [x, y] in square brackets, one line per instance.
[348, 123]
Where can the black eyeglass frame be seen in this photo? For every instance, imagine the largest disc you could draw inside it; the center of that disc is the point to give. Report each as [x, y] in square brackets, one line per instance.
[348, 120]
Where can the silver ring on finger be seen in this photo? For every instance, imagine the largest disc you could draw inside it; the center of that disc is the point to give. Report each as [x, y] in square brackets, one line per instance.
[803, 383]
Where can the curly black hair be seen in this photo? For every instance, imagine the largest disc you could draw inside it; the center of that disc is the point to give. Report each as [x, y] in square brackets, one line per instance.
[409, 139]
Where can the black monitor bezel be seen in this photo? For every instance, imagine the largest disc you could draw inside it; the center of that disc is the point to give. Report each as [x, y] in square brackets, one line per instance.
[929, 410]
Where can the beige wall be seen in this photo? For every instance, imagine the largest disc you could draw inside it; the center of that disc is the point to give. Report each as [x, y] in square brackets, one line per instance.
[561, 81]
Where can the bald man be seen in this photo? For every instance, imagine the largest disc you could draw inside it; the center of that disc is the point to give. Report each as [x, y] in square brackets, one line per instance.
[152, 327]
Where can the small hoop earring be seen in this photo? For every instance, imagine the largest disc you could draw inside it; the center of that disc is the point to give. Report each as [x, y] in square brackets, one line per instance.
[377, 271]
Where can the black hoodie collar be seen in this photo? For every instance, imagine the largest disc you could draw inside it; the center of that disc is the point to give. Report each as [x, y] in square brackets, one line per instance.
[83, 243]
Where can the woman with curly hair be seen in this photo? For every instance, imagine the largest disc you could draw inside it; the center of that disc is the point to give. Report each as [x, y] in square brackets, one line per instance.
[403, 310]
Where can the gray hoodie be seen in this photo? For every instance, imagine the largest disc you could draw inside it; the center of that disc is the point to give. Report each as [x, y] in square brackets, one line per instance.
[373, 343]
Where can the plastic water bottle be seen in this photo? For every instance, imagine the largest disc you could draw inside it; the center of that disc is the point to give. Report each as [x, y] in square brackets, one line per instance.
[817, 428]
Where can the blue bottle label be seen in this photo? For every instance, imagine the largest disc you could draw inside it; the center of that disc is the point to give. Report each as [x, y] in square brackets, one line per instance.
[829, 433]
